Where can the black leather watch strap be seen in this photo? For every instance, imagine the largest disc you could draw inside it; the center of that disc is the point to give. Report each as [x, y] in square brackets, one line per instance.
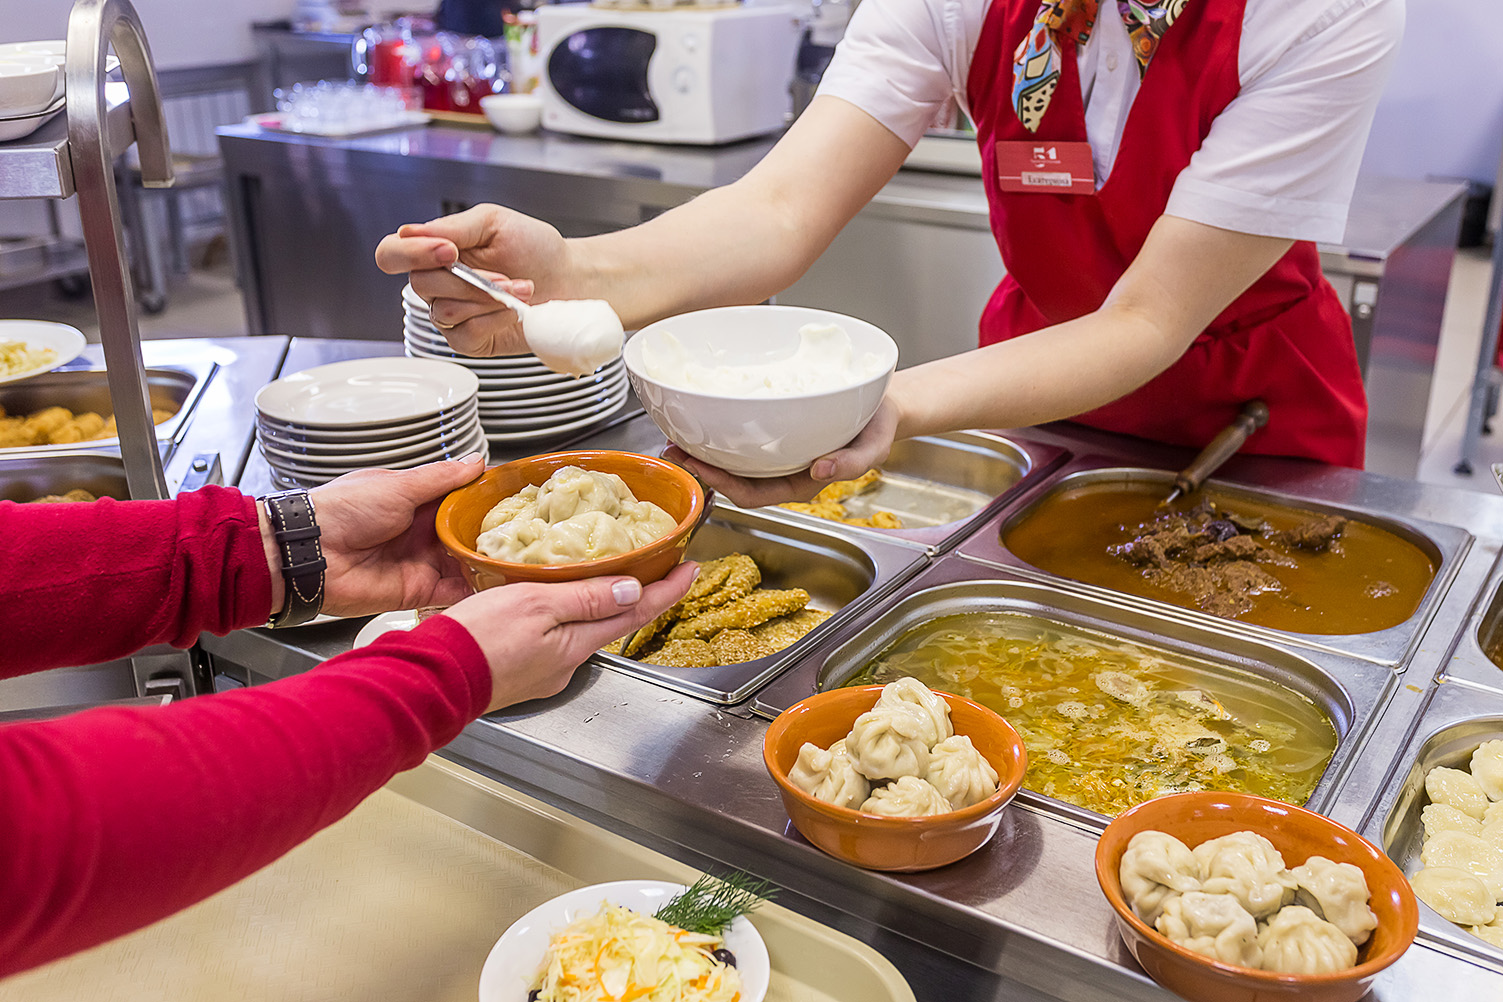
[296, 531]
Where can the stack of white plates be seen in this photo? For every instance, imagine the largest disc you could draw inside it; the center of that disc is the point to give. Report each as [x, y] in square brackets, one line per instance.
[521, 399]
[390, 413]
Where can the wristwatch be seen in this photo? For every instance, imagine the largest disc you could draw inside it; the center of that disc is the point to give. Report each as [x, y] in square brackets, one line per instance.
[296, 532]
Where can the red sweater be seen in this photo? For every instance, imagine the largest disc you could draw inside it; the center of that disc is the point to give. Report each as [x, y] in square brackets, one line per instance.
[113, 818]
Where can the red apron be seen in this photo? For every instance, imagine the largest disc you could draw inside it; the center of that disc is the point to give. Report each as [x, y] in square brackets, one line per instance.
[1286, 340]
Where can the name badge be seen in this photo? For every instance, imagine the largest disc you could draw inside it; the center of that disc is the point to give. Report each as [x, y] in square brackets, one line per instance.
[1057, 168]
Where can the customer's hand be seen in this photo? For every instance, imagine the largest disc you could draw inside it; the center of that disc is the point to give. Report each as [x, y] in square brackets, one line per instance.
[868, 449]
[497, 241]
[376, 530]
[535, 635]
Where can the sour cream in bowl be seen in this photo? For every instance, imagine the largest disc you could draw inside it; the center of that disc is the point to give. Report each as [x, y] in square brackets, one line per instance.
[760, 391]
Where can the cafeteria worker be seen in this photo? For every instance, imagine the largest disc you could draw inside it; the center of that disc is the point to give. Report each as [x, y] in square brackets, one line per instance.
[1157, 175]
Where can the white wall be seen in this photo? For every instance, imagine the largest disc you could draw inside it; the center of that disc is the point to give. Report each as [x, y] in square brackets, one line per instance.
[1442, 112]
[181, 32]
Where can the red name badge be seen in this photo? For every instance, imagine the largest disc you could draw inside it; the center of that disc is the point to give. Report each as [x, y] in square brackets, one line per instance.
[1058, 168]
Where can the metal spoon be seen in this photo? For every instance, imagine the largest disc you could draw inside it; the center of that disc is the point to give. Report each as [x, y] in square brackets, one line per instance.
[1254, 416]
[495, 291]
[573, 336]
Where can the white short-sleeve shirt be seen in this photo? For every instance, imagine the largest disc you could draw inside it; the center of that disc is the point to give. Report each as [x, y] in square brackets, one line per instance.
[1280, 160]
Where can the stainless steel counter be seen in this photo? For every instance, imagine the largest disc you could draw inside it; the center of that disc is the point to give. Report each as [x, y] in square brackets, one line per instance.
[1023, 918]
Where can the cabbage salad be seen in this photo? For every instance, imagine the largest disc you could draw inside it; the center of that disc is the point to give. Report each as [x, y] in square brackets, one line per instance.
[618, 955]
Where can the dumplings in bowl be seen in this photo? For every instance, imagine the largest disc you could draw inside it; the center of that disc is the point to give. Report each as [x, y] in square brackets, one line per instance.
[563, 529]
[1339, 910]
[867, 814]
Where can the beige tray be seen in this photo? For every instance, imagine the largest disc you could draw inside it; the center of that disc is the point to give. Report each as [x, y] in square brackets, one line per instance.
[403, 899]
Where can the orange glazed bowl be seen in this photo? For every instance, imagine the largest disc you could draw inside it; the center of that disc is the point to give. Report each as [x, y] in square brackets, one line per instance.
[872, 840]
[1298, 834]
[670, 487]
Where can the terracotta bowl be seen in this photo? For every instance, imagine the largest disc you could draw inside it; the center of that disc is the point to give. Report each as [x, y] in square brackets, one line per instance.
[1298, 834]
[871, 840]
[670, 487]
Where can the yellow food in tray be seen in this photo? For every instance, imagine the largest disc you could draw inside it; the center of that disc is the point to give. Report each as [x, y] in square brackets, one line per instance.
[76, 496]
[827, 503]
[18, 356]
[60, 426]
[725, 619]
[1109, 723]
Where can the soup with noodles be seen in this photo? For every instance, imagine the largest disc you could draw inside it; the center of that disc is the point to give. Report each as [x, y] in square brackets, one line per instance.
[1109, 724]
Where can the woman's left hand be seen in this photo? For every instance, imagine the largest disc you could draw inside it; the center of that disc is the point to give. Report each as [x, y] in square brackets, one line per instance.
[868, 449]
[376, 530]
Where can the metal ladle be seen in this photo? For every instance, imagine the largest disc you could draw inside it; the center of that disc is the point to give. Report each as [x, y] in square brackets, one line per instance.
[1226, 443]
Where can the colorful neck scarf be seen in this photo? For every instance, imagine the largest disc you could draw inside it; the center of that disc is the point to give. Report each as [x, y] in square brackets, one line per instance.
[1036, 64]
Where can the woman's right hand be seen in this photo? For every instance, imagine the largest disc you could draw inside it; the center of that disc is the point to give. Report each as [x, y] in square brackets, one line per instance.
[535, 635]
[492, 239]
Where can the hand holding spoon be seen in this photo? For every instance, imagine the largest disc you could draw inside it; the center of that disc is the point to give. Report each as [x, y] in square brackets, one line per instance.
[574, 336]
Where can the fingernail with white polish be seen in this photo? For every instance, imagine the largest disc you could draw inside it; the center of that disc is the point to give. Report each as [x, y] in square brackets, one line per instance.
[628, 591]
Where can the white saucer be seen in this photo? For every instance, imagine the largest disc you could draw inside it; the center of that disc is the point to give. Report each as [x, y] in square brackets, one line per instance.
[475, 442]
[365, 391]
[385, 623]
[518, 954]
[497, 438]
[66, 343]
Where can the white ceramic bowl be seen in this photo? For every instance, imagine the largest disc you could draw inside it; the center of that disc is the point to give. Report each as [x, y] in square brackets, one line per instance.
[513, 113]
[759, 436]
[26, 86]
[518, 955]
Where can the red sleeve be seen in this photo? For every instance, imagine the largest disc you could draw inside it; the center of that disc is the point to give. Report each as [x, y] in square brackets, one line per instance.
[86, 583]
[114, 818]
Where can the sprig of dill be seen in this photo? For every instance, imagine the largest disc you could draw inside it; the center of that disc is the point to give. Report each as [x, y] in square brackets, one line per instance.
[711, 903]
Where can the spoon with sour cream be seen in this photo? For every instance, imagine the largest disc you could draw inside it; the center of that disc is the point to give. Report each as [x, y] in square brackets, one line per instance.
[573, 336]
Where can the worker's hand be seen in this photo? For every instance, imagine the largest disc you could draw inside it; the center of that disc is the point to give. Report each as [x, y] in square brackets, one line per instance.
[535, 635]
[867, 450]
[496, 241]
[376, 530]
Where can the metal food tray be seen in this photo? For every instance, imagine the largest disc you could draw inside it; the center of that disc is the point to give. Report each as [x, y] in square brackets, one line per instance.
[402, 901]
[176, 388]
[1350, 691]
[1482, 626]
[1446, 545]
[943, 486]
[841, 574]
[1457, 719]
[30, 476]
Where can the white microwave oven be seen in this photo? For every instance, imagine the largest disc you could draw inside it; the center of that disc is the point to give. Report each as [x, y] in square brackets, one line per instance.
[696, 75]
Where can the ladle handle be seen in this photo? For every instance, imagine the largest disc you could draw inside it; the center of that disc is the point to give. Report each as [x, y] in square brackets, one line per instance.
[1231, 438]
[488, 287]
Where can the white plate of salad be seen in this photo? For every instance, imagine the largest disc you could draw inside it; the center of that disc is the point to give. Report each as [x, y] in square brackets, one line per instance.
[602, 943]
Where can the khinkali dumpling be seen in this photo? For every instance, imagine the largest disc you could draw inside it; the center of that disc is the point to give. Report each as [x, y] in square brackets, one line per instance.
[1338, 893]
[830, 775]
[1456, 788]
[1457, 895]
[571, 490]
[1490, 933]
[909, 797]
[1214, 925]
[1297, 941]
[1247, 866]
[1487, 768]
[920, 696]
[1155, 867]
[1471, 853]
[959, 772]
[509, 508]
[890, 741]
[1443, 818]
